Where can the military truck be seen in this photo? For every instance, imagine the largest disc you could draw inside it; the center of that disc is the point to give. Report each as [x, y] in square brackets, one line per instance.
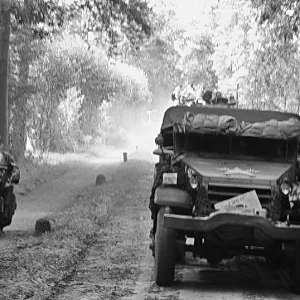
[227, 179]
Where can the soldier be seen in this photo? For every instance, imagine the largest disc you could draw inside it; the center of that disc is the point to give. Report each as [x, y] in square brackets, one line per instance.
[176, 95]
[188, 95]
[207, 96]
[9, 175]
[198, 94]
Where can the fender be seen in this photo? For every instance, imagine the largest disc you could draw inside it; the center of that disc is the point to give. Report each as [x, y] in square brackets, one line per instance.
[174, 197]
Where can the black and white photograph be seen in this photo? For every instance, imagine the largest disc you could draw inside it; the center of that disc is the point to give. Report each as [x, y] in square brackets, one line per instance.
[149, 149]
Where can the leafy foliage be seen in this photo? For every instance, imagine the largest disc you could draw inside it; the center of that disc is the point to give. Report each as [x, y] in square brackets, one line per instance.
[46, 17]
[197, 63]
[158, 59]
[40, 78]
[108, 58]
[255, 56]
[283, 15]
[112, 23]
[72, 84]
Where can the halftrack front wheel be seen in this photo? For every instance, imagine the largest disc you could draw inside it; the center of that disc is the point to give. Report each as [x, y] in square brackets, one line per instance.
[165, 246]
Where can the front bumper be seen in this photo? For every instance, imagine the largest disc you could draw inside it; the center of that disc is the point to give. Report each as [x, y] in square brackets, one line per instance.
[279, 231]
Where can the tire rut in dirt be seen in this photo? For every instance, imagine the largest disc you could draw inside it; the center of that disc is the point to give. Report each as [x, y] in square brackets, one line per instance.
[112, 265]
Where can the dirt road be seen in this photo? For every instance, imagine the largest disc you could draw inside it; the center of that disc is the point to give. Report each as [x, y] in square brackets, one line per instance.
[59, 193]
[119, 264]
[238, 279]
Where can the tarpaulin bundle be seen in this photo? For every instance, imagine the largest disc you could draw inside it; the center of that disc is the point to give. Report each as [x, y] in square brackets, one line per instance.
[272, 129]
[204, 123]
[176, 113]
[228, 125]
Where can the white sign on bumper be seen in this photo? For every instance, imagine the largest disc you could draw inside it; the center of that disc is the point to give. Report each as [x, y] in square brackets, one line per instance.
[247, 200]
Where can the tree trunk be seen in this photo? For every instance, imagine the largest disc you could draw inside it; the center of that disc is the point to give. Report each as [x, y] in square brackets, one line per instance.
[298, 99]
[20, 116]
[4, 47]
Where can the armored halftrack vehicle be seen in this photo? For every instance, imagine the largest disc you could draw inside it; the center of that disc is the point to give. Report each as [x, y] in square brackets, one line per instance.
[229, 180]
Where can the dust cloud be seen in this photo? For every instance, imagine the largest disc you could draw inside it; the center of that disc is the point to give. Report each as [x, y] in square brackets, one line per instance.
[140, 126]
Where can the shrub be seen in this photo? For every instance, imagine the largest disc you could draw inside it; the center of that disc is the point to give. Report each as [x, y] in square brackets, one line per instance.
[77, 90]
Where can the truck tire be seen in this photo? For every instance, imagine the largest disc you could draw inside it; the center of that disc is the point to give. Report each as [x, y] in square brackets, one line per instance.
[214, 255]
[164, 266]
[295, 270]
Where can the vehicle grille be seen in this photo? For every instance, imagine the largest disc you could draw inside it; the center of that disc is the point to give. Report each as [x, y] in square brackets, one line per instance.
[220, 193]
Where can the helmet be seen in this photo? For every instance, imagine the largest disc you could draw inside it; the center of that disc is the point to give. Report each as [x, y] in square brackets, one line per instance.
[218, 95]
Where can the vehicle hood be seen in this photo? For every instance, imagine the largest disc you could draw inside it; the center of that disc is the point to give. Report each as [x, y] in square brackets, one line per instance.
[226, 170]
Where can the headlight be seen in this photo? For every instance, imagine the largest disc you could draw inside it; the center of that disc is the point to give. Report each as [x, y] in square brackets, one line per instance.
[190, 172]
[2, 173]
[194, 182]
[285, 188]
[192, 177]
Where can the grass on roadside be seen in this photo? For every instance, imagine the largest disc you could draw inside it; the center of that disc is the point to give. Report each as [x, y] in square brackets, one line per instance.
[32, 266]
[35, 267]
[37, 171]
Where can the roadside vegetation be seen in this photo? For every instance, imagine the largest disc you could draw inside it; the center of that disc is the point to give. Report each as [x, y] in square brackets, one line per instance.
[37, 267]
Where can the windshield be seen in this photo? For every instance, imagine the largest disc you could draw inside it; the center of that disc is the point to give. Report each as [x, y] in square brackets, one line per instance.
[242, 147]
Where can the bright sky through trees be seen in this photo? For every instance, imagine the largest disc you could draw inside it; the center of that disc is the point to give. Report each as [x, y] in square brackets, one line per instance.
[191, 12]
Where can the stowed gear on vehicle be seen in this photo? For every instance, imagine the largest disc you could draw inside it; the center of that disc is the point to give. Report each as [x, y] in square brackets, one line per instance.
[191, 95]
[229, 180]
[9, 175]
